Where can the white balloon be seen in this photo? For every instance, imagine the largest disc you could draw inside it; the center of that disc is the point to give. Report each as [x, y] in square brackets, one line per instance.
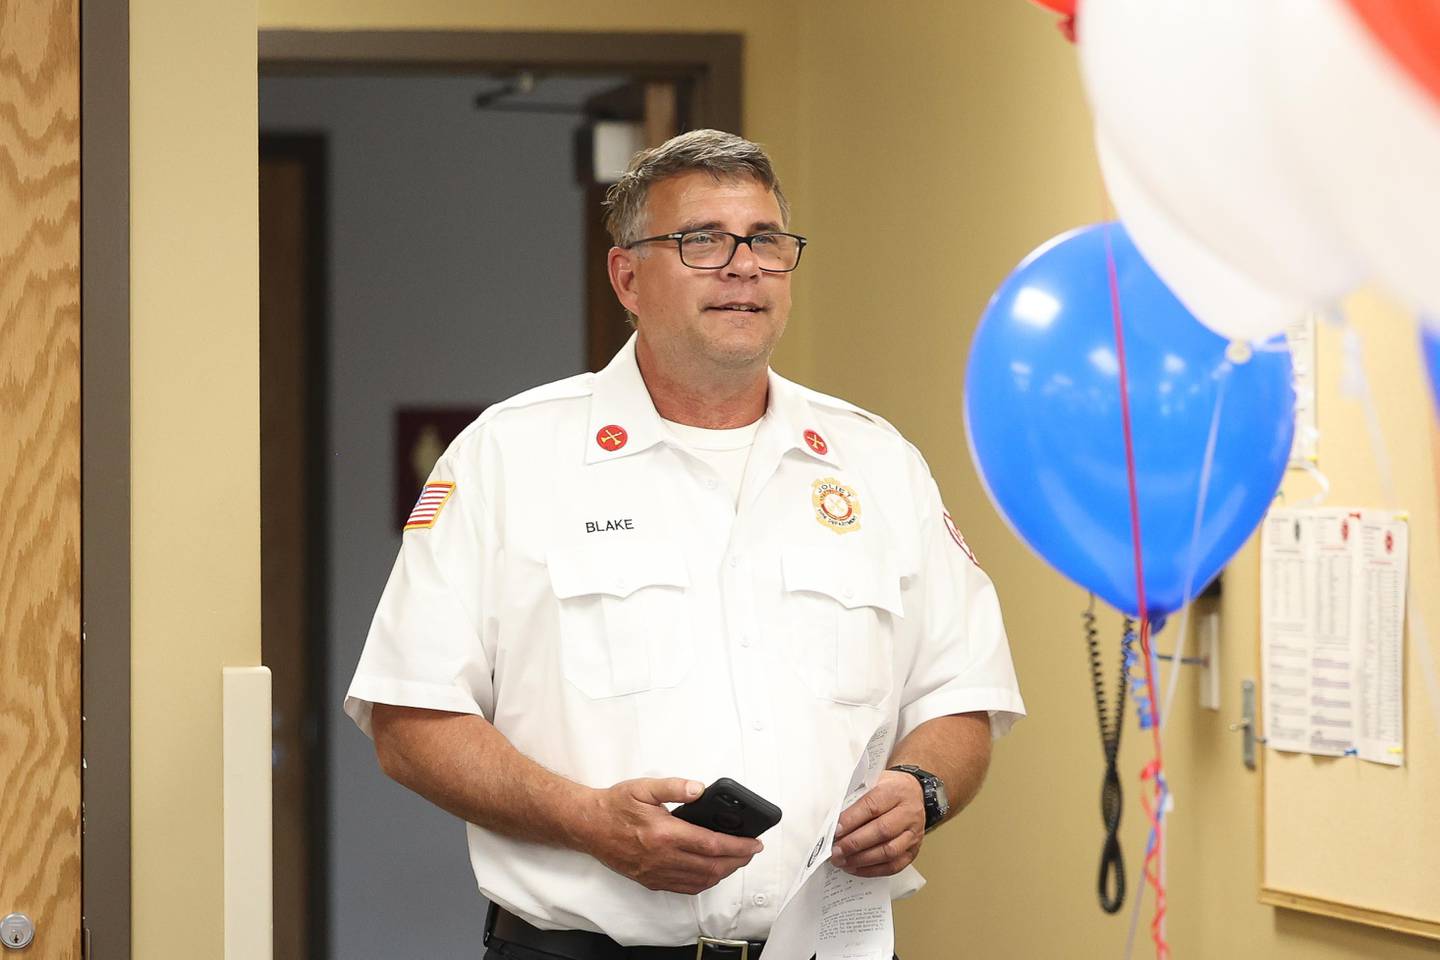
[1366, 139]
[1175, 86]
[1221, 297]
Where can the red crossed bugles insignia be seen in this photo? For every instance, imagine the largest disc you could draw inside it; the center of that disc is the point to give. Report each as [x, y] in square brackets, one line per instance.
[612, 437]
[816, 442]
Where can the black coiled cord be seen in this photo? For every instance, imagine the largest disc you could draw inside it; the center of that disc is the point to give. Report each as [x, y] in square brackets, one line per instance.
[1111, 884]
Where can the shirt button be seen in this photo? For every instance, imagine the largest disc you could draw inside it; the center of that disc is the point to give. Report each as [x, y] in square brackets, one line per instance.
[709, 484]
[758, 724]
[744, 641]
[761, 899]
[733, 561]
[849, 593]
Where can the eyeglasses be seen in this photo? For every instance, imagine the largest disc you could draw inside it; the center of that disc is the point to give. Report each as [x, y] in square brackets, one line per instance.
[714, 249]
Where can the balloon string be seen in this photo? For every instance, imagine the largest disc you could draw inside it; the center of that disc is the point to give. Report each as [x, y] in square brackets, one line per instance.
[1154, 771]
[1125, 423]
[1207, 470]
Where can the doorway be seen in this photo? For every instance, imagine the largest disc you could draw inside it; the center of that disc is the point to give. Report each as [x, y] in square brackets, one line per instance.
[435, 293]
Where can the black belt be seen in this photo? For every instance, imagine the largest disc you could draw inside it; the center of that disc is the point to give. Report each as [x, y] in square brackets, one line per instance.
[505, 927]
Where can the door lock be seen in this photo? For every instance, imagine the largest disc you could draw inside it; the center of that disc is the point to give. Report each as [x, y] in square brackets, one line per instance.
[16, 932]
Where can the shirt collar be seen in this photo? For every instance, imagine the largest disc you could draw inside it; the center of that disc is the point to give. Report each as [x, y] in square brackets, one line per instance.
[795, 423]
[622, 415]
[623, 419]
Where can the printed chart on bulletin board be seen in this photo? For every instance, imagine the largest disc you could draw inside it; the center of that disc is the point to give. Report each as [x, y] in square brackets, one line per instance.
[1350, 824]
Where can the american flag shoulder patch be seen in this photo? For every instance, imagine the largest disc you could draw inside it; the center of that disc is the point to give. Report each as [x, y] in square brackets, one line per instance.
[427, 509]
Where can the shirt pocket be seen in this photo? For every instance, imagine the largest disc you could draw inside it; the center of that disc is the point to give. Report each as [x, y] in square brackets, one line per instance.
[622, 617]
[839, 612]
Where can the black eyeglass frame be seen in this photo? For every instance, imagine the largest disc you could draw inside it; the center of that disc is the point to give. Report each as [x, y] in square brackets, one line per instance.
[680, 246]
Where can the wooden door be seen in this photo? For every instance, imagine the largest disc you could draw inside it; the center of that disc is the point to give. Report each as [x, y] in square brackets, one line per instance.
[292, 532]
[40, 471]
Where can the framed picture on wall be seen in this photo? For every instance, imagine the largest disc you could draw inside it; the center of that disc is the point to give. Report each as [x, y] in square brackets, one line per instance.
[421, 436]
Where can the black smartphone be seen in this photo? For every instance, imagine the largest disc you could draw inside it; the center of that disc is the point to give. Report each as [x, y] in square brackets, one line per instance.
[728, 807]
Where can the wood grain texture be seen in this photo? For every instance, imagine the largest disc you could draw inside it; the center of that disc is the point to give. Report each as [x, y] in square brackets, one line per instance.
[40, 470]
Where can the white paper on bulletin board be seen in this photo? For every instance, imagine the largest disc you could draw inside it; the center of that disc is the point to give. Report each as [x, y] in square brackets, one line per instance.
[1333, 584]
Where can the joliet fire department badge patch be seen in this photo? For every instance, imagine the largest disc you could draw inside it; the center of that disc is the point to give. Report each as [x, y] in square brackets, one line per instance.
[836, 505]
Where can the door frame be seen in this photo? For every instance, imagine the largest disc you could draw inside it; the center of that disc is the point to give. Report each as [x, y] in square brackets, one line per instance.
[105, 887]
[712, 60]
[312, 151]
[710, 63]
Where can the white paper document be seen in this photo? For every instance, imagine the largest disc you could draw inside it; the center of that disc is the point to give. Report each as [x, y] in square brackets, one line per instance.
[1380, 686]
[1332, 588]
[1331, 698]
[830, 914]
[1286, 580]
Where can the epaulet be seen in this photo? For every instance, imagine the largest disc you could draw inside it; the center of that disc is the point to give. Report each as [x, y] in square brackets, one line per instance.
[571, 388]
[835, 403]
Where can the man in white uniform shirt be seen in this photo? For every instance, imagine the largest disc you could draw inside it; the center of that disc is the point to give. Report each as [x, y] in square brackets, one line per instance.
[620, 587]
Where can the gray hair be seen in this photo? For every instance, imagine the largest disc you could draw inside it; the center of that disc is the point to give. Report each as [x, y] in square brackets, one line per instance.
[724, 156]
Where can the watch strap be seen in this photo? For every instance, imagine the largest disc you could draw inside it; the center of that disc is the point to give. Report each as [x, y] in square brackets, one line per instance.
[932, 789]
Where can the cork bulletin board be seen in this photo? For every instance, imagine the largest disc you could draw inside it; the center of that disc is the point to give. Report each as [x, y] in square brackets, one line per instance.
[1342, 836]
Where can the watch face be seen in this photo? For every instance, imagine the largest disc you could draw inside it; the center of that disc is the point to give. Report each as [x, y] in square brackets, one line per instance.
[934, 802]
[942, 802]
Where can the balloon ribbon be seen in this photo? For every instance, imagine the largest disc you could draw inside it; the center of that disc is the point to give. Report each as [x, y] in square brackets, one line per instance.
[1155, 770]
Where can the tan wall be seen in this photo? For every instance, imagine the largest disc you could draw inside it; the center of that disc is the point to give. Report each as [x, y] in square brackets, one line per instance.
[946, 141]
[195, 520]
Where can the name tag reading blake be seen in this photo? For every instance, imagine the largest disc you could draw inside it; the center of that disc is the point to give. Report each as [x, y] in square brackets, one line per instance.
[604, 526]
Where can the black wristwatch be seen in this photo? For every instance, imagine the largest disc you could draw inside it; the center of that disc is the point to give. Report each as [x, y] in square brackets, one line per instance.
[937, 804]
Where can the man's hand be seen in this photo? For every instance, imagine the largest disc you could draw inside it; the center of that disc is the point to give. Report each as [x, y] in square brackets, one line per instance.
[630, 831]
[880, 834]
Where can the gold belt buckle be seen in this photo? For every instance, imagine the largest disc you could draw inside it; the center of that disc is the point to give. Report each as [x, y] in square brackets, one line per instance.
[744, 946]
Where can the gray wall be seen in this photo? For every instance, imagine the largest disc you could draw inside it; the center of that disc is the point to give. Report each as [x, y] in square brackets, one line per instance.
[455, 279]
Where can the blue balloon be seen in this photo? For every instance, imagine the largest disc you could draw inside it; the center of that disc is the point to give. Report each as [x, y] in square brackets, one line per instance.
[1043, 414]
[1430, 348]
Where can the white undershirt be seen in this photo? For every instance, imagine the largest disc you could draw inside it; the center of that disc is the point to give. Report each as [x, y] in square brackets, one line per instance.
[725, 451]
